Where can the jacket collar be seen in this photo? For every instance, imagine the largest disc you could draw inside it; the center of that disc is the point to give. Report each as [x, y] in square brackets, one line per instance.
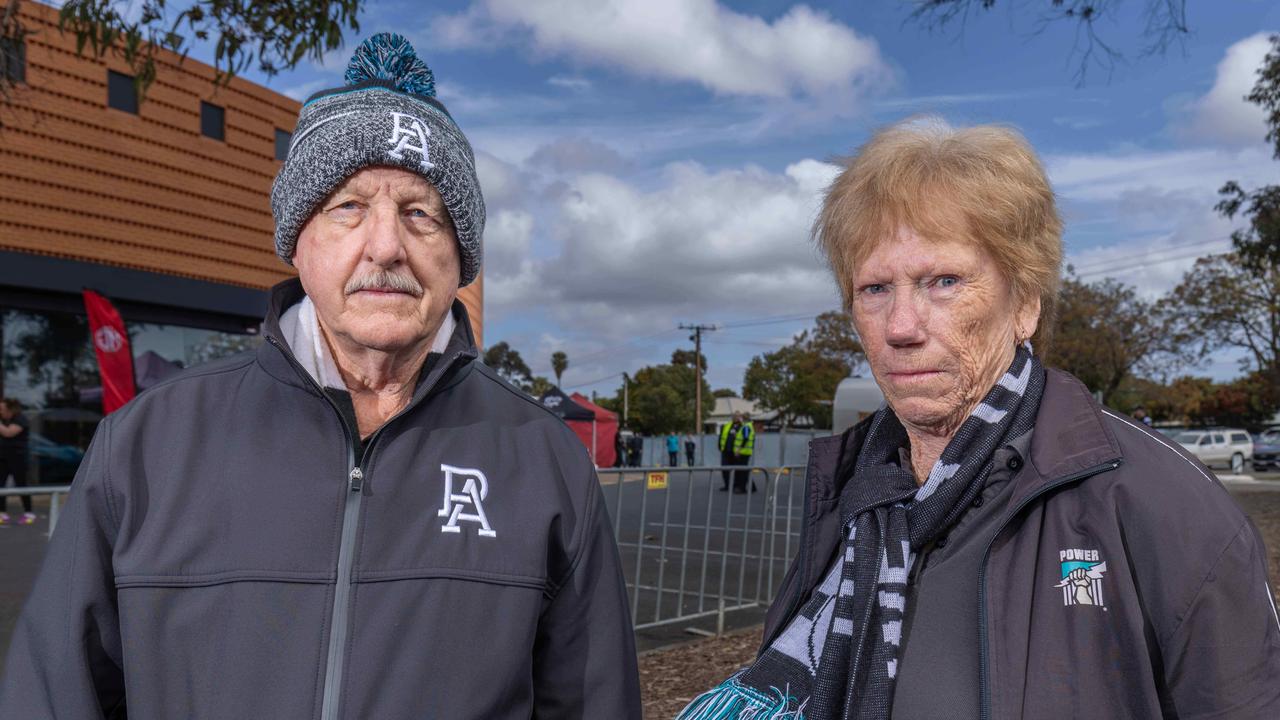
[277, 359]
[1070, 437]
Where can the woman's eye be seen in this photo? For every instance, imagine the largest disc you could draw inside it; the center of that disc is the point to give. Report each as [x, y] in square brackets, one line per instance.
[874, 289]
[947, 281]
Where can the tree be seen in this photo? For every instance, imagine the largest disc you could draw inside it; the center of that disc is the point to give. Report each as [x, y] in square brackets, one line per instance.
[506, 361]
[662, 399]
[1105, 334]
[1165, 24]
[271, 35]
[800, 380]
[1222, 302]
[833, 337]
[795, 381]
[559, 363]
[1258, 244]
[686, 357]
[723, 393]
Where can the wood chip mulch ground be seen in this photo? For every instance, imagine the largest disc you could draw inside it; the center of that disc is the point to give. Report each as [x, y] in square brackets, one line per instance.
[670, 678]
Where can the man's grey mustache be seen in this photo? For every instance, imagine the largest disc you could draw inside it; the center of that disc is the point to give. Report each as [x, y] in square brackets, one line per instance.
[385, 281]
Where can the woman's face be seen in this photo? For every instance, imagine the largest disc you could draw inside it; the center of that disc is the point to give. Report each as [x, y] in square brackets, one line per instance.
[939, 324]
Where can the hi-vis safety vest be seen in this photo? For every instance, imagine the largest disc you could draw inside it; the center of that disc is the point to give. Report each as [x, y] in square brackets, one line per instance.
[725, 430]
[745, 442]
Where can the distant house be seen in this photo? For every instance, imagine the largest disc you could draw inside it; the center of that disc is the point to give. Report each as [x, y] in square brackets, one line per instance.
[764, 420]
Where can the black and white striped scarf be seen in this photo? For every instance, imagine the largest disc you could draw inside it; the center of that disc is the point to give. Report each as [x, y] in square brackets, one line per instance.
[838, 658]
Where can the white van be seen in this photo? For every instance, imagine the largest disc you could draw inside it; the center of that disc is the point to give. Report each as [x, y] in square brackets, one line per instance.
[1218, 446]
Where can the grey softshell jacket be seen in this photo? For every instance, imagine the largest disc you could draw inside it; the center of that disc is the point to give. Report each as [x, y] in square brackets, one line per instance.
[1180, 621]
[224, 554]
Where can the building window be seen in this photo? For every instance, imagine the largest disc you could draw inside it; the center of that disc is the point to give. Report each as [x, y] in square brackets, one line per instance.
[47, 364]
[121, 94]
[283, 138]
[213, 121]
[13, 60]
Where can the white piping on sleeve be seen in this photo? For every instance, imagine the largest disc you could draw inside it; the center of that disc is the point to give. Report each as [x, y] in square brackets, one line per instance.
[1154, 436]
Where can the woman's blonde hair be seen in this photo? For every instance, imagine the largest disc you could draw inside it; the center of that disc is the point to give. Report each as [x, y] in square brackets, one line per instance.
[983, 184]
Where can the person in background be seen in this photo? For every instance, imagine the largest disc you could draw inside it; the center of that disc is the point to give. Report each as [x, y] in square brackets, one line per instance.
[359, 519]
[673, 449]
[14, 443]
[619, 450]
[728, 435]
[993, 542]
[689, 449]
[744, 445]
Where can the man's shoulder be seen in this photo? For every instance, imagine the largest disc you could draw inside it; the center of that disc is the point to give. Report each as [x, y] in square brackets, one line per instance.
[508, 400]
[206, 377]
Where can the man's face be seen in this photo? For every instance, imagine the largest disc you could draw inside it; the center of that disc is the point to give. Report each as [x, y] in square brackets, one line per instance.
[380, 260]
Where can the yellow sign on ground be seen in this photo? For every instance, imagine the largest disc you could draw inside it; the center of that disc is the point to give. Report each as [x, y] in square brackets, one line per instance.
[657, 481]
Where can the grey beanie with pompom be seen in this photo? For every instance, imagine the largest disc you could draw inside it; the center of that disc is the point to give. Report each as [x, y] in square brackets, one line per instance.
[386, 114]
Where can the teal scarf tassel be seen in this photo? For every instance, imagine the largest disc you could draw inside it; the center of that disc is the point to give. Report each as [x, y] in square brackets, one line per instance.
[733, 701]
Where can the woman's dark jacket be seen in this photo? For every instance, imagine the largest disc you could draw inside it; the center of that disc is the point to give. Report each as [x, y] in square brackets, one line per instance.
[1187, 627]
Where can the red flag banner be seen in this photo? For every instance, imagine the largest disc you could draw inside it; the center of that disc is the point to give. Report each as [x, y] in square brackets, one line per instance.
[111, 343]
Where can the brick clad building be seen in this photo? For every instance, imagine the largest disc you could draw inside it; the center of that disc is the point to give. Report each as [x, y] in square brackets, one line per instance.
[162, 205]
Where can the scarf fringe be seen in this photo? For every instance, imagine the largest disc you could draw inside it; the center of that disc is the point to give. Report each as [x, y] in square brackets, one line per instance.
[733, 701]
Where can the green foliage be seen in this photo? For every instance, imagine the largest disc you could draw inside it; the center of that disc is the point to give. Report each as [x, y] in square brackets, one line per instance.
[800, 380]
[506, 361]
[723, 393]
[686, 357]
[1223, 302]
[559, 363]
[271, 35]
[1266, 93]
[662, 400]
[1258, 244]
[1104, 334]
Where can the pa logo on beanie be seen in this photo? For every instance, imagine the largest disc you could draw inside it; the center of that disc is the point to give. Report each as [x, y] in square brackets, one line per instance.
[386, 114]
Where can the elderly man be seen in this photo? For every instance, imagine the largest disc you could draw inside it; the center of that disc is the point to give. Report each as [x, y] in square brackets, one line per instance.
[359, 520]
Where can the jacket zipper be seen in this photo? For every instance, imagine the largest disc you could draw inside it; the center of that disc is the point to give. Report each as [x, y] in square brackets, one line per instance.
[984, 651]
[355, 481]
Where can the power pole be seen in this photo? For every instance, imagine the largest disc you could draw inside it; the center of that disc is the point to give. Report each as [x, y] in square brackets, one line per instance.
[696, 337]
[626, 398]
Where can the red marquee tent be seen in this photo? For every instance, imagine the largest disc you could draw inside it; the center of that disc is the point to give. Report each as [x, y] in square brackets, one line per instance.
[599, 432]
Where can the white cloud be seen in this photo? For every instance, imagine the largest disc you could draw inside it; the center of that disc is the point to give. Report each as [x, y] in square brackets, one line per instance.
[803, 52]
[1223, 116]
[1143, 217]
[612, 258]
[576, 84]
[1107, 175]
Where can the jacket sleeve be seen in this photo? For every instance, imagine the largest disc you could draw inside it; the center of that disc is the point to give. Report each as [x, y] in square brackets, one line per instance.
[64, 659]
[1223, 659]
[584, 663]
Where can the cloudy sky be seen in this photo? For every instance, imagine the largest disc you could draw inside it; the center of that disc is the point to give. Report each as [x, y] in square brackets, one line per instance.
[648, 163]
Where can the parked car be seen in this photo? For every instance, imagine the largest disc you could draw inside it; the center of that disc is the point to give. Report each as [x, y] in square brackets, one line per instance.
[1266, 451]
[1218, 446]
[54, 464]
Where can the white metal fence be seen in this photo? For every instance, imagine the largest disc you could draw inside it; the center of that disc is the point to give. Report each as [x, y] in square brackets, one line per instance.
[691, 551]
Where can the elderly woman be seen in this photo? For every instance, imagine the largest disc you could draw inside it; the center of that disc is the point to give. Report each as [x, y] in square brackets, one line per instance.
[993, 543]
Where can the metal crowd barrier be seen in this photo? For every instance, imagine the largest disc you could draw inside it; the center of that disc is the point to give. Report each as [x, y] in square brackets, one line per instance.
[55, 492]
[690, 551]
